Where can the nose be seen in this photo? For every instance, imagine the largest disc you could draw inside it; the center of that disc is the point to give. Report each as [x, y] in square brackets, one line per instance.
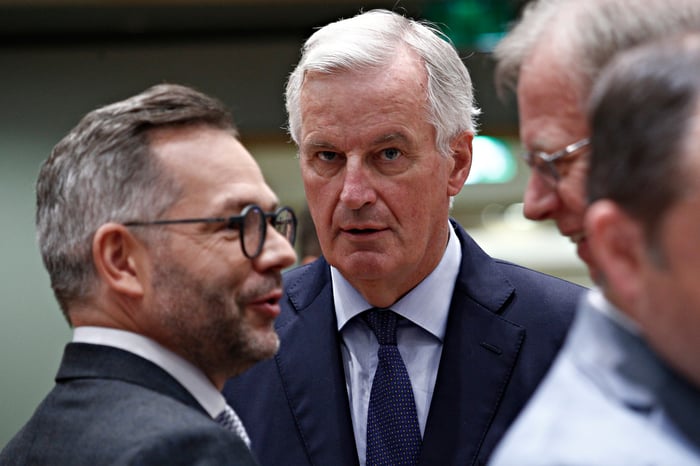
[277, 252]
[357, 188]
[540, 199]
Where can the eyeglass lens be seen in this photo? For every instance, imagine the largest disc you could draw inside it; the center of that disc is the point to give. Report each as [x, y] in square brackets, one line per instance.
[253, 231]
[254, 228]
[546, 169]
[285, 223]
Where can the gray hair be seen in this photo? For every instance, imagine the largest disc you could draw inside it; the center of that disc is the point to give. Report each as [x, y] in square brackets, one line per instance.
[103, 171]
[587, 34]
[369, 41]
[643, 109]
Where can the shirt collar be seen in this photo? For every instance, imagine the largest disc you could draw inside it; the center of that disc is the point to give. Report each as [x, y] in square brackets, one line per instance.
[190, 376]
[598, 302]
[426, 305]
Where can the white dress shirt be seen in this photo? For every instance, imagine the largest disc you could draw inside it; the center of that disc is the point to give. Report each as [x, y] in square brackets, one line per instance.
[420, 343]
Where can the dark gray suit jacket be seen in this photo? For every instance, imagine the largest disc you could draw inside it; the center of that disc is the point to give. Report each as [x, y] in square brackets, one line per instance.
[111, 407]
[504, 328]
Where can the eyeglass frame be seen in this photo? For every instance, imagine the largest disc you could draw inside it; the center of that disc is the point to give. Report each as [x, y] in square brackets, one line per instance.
[551, 174]
[236, 220]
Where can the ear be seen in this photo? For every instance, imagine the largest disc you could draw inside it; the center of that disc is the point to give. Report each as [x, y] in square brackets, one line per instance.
[462, 155]
[120, 260]
[618, 248]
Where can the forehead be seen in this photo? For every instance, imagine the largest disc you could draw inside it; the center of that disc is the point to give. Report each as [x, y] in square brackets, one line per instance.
[210, 166]
[355, 100]
[551, 104]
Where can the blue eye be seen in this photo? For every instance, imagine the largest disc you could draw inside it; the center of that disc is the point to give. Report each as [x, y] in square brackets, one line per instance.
[327, 155]
[391, 154]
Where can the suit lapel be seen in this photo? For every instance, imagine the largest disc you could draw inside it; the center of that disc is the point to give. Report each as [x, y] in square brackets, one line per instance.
[311, 369]
[479, 354]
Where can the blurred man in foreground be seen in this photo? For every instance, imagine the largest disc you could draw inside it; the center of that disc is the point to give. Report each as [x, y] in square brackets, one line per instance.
[626, 387]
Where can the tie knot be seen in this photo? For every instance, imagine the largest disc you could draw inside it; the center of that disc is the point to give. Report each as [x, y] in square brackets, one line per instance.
[383, 324]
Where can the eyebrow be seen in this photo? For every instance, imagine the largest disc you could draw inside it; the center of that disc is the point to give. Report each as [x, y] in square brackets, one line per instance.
[382, 139]
[319, 145]
[391, 137]
[237, 205]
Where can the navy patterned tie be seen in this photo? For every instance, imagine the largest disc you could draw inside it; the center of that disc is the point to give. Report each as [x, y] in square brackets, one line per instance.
[393, 435]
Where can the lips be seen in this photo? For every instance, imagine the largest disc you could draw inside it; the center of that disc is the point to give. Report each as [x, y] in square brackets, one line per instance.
[267, 304]
[582, 249]
[361, 231]
[577, 237]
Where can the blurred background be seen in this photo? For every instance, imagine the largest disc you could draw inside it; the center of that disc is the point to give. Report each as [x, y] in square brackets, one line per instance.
[62, 58]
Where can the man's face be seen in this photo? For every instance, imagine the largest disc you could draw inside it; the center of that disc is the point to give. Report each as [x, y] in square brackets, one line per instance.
[377, 188]
[653, 277]
[551, 118]
[669, 308]
[212, 304]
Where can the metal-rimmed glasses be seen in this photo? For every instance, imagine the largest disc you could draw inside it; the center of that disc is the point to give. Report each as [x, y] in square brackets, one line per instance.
[545, 163]
[251, 224]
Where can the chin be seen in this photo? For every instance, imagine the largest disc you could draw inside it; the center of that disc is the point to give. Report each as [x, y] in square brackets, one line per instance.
[365, 265]
[266, 347]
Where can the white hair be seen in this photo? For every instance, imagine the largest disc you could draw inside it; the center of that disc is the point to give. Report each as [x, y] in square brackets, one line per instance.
[369, 41]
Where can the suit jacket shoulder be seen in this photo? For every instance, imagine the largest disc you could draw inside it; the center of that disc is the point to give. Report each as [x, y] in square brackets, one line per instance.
[504, 327]
[112, 407]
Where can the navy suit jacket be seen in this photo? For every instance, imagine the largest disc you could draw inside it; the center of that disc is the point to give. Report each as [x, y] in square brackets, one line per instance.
[505, 325]
[112, 407]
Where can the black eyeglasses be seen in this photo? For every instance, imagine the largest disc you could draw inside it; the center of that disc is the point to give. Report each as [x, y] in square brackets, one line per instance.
[252, 225]
[545, 163]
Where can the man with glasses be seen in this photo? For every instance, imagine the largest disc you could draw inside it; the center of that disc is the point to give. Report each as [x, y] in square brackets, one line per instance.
[551, 59]
[164, 246]
[625, 389]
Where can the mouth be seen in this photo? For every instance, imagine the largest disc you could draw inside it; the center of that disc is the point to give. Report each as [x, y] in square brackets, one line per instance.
[267, 304]
[582, 250]
[273, 297]
[577, 237]
[362, 230]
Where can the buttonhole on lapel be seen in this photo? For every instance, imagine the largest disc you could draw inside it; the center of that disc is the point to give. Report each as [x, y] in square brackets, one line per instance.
[642, 408]
[492, 348]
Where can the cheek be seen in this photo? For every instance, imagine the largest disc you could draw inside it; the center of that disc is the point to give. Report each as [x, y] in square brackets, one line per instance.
[683, 266]
[419, 212]
[229, 274]
[321, 194]
[572, 192]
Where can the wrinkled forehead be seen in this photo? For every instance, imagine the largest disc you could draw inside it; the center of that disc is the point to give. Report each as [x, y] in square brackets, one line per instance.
[549, 96]
[210, 164]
